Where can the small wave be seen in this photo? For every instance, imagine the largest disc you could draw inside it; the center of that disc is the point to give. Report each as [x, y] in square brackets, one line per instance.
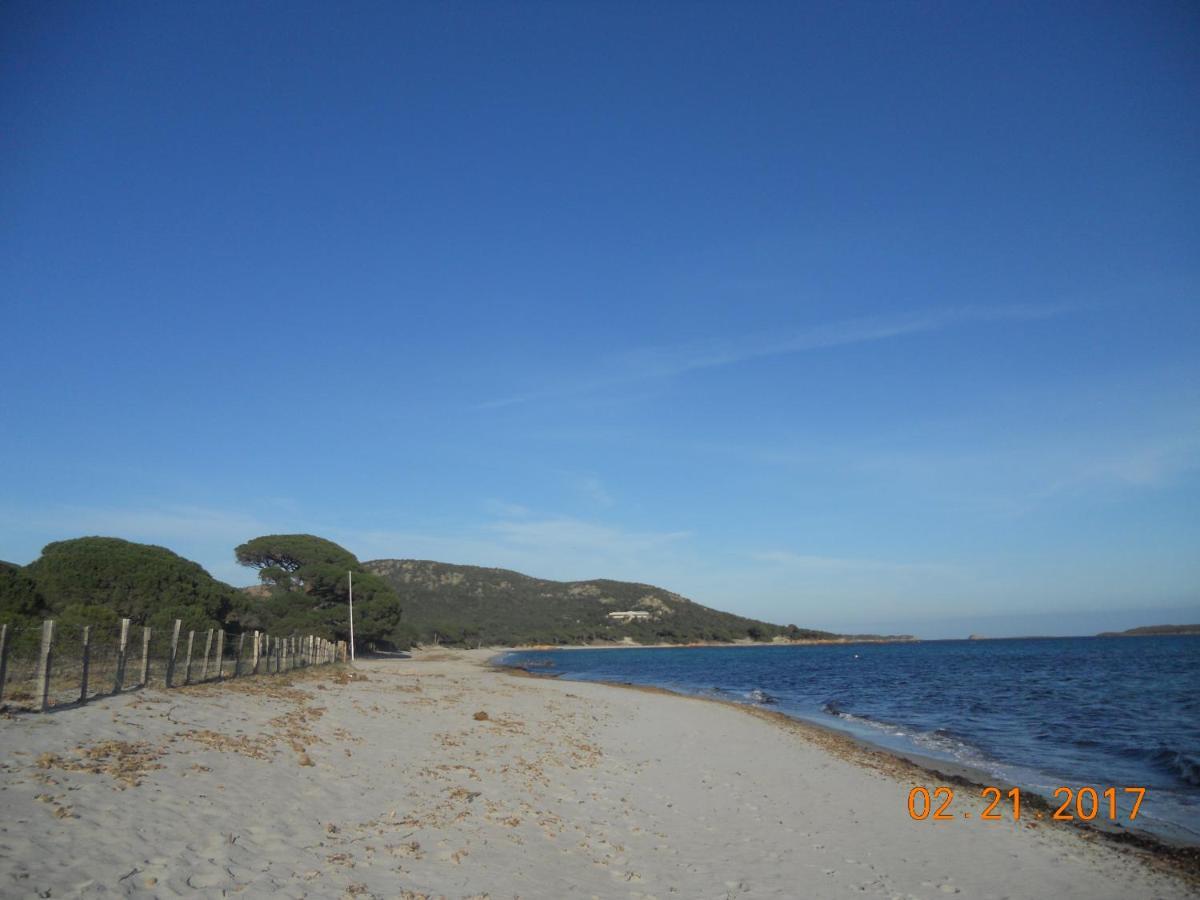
[1182, 765]
[831, 708]
[762, 697]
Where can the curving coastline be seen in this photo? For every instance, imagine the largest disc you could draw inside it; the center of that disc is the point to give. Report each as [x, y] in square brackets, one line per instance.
[442, 776]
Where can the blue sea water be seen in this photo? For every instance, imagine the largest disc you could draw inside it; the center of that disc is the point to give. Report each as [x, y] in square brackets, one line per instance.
[1039, 713]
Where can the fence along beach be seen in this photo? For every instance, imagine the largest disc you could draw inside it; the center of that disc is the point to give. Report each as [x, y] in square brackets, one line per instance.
[49, 666]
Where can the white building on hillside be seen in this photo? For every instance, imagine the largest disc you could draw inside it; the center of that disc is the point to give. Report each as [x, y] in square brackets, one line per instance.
[631, 615]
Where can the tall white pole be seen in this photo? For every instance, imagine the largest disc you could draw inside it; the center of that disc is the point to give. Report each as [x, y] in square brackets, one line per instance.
[351, 576]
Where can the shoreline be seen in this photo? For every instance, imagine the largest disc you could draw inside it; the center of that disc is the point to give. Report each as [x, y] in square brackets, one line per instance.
[912, 766]
[1173, 840]
[444, 776]
[618, 645]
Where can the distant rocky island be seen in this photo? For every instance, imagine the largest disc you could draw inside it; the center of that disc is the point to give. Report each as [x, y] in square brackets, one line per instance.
[1152, 630]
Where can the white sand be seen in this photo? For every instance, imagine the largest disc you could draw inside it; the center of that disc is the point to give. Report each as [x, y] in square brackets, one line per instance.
[565, 790]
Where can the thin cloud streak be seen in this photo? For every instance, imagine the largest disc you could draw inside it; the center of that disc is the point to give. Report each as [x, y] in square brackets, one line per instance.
[673, 360]
[847, 565]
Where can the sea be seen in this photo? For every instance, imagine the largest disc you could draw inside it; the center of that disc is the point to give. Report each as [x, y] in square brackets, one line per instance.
[1039, 713]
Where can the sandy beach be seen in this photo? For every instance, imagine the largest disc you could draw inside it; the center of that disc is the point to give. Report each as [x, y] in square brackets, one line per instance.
[438, 776]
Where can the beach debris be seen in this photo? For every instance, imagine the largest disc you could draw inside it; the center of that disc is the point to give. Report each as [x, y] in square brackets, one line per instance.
[347, 677]
[126, 762]
[481, 716]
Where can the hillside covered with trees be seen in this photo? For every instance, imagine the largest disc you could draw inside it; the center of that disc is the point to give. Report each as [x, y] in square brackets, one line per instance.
[473, 605]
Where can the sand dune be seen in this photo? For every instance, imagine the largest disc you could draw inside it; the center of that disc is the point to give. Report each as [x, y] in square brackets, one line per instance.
[440, 777]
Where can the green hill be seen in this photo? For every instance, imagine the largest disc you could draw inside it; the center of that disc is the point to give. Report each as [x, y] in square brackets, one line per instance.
[472, 605]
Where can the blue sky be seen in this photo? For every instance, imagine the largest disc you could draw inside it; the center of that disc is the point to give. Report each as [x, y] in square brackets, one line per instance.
[858, 316]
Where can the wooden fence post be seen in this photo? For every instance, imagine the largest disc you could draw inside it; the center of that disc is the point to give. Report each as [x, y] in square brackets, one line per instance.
[207, 650]
[85, 663]
[3, 659]
[279, 642]
[45, 659]
[187, 666]
[145, 657]
[122, 651]
[220, 654]
[254, 652]
[237, 660]
[170, 679]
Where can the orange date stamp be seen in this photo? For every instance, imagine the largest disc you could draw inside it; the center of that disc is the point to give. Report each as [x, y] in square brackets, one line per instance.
[1077, 804]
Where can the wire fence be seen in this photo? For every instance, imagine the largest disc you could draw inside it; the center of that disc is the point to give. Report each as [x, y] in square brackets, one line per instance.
[48, 666]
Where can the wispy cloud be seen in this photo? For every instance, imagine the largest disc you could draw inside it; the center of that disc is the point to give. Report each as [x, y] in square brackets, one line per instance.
[563, 532]
[667, 361]
[505, 509]
[594, 490]
[849, 565]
